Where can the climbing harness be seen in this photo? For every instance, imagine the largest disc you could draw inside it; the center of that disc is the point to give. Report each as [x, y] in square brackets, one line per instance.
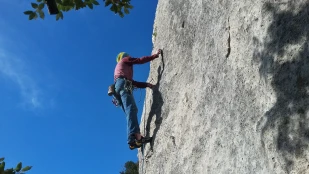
[116, 100]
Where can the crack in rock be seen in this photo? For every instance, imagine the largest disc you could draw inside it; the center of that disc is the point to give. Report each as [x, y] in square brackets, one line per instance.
[228, 40]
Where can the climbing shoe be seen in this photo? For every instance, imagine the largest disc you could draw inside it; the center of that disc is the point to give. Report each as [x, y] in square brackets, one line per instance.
[133, 145]
[143, 140]
[139, 143]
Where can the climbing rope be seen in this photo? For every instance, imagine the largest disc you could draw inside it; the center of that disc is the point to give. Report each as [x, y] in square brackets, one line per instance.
[143, 146]
[143, 157]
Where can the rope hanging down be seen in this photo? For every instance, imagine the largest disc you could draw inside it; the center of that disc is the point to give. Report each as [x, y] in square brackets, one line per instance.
[143, 146]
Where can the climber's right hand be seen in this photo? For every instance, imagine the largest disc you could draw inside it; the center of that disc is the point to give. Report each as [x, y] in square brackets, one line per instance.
[159, 52]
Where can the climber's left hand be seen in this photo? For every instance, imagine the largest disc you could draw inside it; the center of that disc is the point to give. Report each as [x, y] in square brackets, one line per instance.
[149, 85]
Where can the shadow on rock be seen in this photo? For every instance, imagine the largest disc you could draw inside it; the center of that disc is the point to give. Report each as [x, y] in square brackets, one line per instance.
[156, 107]
[290, 80]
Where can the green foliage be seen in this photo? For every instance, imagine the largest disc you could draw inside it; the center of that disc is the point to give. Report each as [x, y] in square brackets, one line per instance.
[18, 169]
[130, 168]
[2, 165]
[25, 169]
[120, 7]
[34, 5]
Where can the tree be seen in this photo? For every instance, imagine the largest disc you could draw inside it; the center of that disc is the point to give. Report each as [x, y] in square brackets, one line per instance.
[130, 168]
[17, 170]
[57, 7]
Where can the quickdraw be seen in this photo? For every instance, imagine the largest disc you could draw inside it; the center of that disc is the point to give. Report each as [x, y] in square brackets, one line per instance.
[129, 86]
[115, 102]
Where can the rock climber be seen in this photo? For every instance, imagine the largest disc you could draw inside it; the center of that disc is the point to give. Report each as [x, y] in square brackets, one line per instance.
[124, 84]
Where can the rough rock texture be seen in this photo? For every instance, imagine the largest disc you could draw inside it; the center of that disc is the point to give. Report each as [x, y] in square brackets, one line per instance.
[232, 93]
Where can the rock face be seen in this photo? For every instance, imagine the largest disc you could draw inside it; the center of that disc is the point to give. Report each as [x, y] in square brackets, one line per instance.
[232, 93]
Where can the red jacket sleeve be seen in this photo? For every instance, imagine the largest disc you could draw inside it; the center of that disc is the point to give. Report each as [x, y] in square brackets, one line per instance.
[142, 60]
[139, 84]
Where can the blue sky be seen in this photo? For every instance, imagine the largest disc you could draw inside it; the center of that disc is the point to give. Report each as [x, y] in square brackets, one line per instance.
[54, 75]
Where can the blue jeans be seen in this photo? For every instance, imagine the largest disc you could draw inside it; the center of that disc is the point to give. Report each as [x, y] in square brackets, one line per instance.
[129, 107]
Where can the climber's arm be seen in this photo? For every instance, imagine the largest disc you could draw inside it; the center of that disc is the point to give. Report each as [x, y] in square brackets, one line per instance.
[141, 84]
[142, 60]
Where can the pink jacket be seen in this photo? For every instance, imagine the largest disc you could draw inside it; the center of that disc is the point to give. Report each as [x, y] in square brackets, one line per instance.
[124, 68]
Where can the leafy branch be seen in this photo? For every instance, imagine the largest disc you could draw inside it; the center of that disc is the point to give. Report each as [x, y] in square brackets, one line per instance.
[57, 7]
[17, 170]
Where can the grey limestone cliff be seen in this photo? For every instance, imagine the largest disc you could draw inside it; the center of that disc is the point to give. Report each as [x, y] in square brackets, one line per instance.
[232, 88]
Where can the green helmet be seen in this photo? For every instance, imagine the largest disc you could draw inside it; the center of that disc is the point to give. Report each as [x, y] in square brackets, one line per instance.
[121, 55]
